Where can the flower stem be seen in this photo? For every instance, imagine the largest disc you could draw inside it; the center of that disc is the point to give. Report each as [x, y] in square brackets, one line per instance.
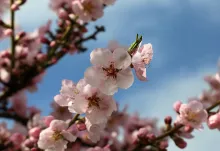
[75, 118]
[173, 130]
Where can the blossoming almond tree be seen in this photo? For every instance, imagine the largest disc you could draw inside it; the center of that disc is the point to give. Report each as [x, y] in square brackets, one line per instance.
[85, 114]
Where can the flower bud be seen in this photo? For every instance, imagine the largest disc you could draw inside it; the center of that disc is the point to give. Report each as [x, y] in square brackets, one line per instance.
[47, 120]
[180, 142]
[214, 121]
[35, 132]
[81, 126]
[177, 105]
[168, 120]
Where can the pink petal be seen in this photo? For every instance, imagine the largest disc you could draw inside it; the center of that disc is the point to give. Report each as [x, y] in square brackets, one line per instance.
[125, 78]
[68, 136]
[122, 59]
[101, 57]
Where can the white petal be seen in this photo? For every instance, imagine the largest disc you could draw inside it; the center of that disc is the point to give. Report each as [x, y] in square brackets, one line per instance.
[125, 78]
[101, 57]
[61, 100]
[80, 105]
[58, 125]
[108, 86]
[121, 58]
[68, 136]
[92, 76]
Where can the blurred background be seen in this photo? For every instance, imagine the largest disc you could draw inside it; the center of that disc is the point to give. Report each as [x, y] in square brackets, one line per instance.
[185, 36]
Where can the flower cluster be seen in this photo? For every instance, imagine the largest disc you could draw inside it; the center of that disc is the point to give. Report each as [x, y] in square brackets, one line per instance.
[85, 115]
[85, 10]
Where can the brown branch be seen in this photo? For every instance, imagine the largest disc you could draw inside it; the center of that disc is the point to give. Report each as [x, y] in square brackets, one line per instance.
[171, 131]
[15, 117]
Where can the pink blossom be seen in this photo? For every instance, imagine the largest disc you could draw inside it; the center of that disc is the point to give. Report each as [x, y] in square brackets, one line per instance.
[55, 137]
[19, 105]
[67, 94]
[60, 112]
[207, 98]
[113, 44]
[192, 114]
[47, 120]
[88, 10]
[96, 105]
[35, 132]
[140, 59]
[176, 106]
[4, 75]
[110, 70]
[214, 121]
[17, 139]
[94, 130]
[214, 81]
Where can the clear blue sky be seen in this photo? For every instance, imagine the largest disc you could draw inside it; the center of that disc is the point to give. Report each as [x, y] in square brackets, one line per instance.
[185, 36]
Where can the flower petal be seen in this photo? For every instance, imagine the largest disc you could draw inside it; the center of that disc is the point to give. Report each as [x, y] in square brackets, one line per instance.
[79, 105]
[68, 136]
[101, 57]
[121, 58]
[125, 78]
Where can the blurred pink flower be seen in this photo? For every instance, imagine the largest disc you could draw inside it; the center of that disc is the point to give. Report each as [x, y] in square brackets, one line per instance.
[192, 114]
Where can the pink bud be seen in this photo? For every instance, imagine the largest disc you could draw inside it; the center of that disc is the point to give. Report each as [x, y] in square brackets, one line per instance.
[177, 105]
[41, 56]
[15, 7]
[142, 133]
[188, 129]
[35, 132]
[52, 43]
[163, 145]
[214, 121]
[28, 143]
[17, 138]
[34, 149]
[151, 137]
[54, 60]
[81, 126]
[63, 14]
[168, 120]
[7, 32]
[47, 120]
[180, 142]
[44, 40]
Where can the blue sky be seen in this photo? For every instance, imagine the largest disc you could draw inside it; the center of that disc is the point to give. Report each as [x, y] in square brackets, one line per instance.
[185, 37]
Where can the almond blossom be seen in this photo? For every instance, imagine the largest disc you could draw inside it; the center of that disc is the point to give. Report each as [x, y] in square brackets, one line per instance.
[88, 10]
[110, 70]
[96, 105]
[140, 59]
[192, 114]
[19, 103]
[55, 137]
[214, 121]
[94, 130]
[67, 93]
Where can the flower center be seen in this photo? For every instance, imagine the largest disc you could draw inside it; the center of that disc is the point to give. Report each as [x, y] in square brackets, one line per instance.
[76, 91]
[56, 136]
[192, 117]
[88, 7]
[94, 101]
[111, 71]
